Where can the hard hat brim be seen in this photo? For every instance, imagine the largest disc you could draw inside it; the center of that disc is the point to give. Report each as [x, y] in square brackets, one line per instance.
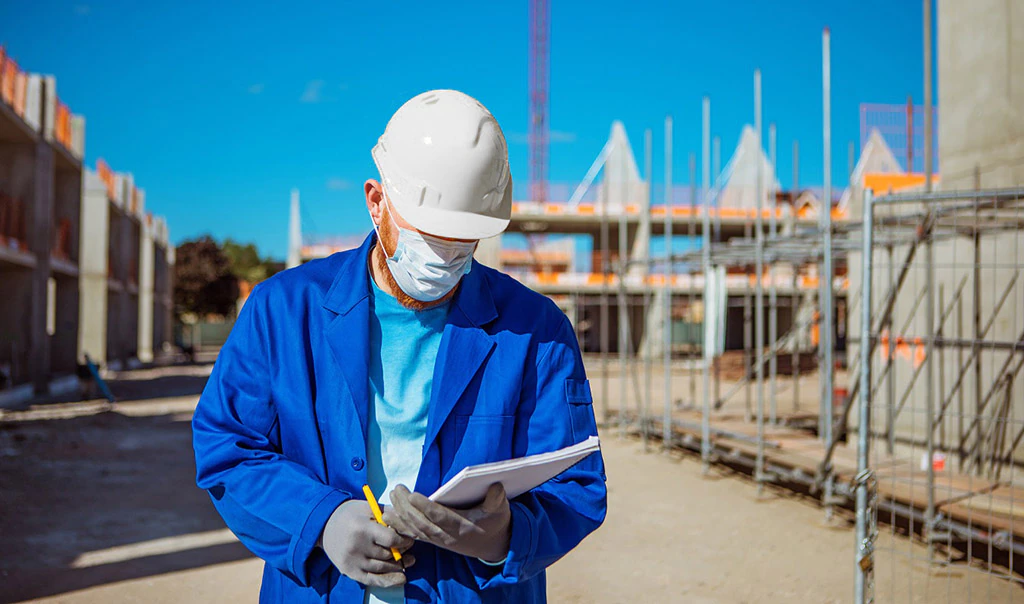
[455, 224]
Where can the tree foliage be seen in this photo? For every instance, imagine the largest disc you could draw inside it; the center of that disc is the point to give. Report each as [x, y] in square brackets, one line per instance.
[246, 263]
[203, 281]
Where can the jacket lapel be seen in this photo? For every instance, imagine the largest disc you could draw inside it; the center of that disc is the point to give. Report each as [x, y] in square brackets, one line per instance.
[347, 333]
[464, 347]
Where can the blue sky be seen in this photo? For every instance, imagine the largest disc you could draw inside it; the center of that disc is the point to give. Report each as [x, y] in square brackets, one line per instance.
[219, 109]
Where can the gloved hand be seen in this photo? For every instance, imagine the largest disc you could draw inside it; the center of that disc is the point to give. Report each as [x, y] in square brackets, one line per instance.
[482, 531]
[361, 548]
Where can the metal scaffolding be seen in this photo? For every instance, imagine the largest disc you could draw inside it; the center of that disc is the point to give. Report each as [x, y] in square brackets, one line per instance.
[949, 388]
[913, 310]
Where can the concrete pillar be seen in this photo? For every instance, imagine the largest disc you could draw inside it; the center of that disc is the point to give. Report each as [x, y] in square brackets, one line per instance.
[168, 285]
[127, 327]
[93, 244]
[41, 236]
[146, 268]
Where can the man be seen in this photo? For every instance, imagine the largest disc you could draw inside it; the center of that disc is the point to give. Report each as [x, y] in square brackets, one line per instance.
[396, 365]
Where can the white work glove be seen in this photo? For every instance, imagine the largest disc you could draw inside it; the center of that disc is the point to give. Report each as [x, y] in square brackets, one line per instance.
[361, 548]
[482, 532]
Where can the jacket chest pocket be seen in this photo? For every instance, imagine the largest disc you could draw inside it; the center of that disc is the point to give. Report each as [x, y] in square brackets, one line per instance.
[483, 438]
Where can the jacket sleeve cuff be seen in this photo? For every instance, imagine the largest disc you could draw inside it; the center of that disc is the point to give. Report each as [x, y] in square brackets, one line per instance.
[522, 546]
[307, 560]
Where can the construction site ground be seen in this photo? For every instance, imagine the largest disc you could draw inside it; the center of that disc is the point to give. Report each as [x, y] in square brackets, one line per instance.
[99, 505]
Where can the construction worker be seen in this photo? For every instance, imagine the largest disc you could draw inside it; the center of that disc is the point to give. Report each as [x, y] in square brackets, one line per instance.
[395, 365]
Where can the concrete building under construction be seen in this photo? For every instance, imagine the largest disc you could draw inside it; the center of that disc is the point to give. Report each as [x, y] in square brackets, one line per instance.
[58, 241]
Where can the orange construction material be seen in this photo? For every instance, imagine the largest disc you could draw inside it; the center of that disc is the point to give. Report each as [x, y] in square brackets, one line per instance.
[919, 353]
[883, 184]
[903, 349]
[20, 83]
[106, 176]
[7, 80]
[62, 125]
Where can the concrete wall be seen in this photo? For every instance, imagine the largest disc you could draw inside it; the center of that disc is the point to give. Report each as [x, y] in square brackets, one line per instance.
[981, 92]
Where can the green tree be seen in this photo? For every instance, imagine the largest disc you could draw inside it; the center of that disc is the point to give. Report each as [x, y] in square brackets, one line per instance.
[246, 263]
[203, 281]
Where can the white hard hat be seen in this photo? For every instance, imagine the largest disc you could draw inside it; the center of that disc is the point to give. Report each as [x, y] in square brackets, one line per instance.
[443, 161]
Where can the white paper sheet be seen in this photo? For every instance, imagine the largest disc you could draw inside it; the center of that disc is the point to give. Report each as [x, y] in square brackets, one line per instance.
[469, 486]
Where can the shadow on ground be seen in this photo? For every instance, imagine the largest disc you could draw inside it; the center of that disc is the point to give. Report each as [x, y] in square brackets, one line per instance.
[85, 484]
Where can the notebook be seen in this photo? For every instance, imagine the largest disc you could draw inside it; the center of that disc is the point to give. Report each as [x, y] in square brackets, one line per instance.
[469, 486]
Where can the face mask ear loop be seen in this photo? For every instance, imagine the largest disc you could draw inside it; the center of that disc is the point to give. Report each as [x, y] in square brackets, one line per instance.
[380, 240]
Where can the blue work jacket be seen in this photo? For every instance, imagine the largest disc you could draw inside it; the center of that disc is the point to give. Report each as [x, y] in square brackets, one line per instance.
[280, 429]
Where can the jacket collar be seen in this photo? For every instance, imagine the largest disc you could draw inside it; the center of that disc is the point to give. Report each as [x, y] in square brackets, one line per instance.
[352, 282]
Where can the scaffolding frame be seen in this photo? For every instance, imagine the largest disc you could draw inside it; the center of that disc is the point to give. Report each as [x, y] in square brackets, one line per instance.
[984, 450]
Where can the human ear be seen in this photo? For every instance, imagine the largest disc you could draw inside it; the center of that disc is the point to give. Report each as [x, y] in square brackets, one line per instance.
[374, 199]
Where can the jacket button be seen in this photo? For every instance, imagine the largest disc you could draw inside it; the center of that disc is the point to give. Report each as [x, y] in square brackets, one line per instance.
[357, 463]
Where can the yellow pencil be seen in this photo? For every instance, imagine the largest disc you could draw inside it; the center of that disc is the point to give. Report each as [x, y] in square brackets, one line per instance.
[379, 516]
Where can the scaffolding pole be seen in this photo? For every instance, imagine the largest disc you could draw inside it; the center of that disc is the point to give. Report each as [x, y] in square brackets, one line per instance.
[622, 300]
[827, 324]
[648, 339]
[759, 474]
[748, 338]
[709, 352]
[795, 299]
[716, 171]
[666, 440]
[929, 281]
[604, 310]
[863, 581]
[773, 294]
[691, 353]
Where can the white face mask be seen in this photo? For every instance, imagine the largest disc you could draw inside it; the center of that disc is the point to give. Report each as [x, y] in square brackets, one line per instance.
[426, 267]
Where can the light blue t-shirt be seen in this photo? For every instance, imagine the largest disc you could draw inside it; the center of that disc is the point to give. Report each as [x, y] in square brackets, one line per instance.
[403, 348]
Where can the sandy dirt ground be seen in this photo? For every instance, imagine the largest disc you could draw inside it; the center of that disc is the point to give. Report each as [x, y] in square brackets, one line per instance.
[98, 504]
